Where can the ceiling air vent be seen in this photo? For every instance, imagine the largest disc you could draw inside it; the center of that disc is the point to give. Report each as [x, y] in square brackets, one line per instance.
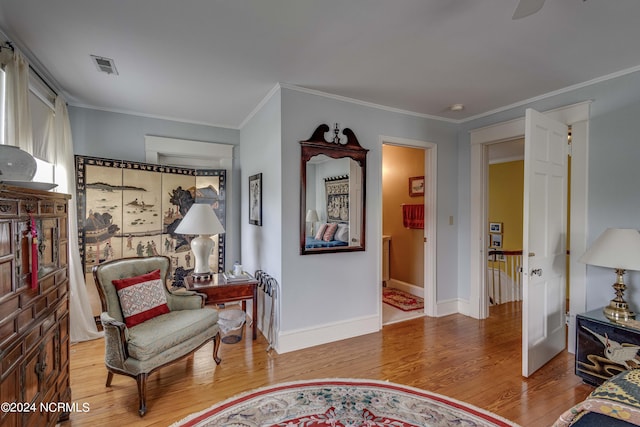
[106, 65]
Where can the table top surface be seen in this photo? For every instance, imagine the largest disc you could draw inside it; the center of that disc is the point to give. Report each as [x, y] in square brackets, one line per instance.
[220, 279]
[598, 316]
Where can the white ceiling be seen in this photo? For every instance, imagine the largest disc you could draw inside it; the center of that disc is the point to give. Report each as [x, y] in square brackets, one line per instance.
[213, 61]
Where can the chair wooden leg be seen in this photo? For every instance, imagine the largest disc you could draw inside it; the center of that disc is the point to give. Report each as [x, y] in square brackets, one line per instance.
[109, 378]
[216, 347]
[141, 379]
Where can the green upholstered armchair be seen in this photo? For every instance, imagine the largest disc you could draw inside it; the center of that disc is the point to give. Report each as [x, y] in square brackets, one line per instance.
[139, 350]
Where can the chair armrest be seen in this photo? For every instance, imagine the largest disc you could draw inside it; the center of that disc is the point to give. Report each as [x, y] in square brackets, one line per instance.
[115, 337]
[185, 300]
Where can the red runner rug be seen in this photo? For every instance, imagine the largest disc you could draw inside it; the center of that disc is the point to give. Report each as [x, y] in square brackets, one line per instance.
[401, 299]
[342, 403]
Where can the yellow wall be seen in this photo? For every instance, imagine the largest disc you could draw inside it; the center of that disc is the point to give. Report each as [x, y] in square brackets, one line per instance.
[407, 247]
[506, 187]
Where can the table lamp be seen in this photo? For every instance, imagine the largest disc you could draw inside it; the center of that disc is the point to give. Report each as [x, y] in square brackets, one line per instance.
[312, 217]
[617, 248]
[202, 221]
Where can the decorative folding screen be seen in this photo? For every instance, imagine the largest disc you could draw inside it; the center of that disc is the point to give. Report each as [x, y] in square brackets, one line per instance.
[337, 191]
[128, 209]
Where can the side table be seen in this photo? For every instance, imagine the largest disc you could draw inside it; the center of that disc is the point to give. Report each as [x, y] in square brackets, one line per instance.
[604, 348]
[218, 291]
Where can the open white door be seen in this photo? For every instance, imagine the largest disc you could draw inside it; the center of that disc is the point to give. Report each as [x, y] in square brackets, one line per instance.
[544, 240]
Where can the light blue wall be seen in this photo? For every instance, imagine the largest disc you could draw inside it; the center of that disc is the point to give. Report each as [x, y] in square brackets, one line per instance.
[120, 136]
[614, 195]
[260, 150]
[331, 288]
[321, 289]
[111, 135]
[614, 153]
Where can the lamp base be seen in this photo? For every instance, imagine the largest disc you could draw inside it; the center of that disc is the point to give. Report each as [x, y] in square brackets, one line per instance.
[617, 310]
[202, 277]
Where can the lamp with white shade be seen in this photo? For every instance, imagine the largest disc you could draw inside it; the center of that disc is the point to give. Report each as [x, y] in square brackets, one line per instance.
[312, 217]
[617, 248]
[202, 221]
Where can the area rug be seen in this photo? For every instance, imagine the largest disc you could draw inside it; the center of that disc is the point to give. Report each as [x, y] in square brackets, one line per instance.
[401, 299]
[341, 403]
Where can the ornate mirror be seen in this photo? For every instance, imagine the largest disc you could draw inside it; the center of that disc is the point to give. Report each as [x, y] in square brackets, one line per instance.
[332, 192]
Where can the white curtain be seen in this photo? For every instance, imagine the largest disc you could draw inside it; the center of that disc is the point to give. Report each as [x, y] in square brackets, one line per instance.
[18, 129]
[43, 128]
[82, 324]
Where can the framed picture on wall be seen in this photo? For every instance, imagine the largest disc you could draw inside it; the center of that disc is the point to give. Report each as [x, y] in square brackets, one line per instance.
[496, 241]
[416, 186]
[255, 199]
[495, 227]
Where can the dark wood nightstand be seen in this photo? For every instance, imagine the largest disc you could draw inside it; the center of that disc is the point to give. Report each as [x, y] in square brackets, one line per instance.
[604, 348]
[219, 291]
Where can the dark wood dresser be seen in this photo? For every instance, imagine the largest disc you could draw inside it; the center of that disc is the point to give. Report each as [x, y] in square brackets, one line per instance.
[34, 312]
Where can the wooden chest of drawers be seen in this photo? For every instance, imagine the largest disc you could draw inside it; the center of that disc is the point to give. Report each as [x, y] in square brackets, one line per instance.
[34, 314]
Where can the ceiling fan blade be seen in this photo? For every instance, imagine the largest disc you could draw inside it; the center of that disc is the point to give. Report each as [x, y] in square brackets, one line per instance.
[527, 7]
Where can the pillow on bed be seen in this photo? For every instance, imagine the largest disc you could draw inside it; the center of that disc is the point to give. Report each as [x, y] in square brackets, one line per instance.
[330, 231]
[342, 233]
[320, 232]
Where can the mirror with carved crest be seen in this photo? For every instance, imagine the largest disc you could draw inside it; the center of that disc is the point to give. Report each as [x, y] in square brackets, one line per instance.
[332, 192]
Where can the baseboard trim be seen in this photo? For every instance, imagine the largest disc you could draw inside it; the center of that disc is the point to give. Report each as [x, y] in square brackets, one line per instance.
[445, 308]
[329, 332]
[407, 287]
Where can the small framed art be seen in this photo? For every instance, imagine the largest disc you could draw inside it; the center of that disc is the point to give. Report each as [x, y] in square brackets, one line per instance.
[496, 241]
[495, 227]
[416, 186]
[255, 199]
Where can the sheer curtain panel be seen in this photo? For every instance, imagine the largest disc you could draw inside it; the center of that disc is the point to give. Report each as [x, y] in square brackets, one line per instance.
[18, 124]
[82, 324]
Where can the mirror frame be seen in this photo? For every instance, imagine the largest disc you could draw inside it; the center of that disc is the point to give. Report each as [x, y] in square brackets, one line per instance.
[336, 150]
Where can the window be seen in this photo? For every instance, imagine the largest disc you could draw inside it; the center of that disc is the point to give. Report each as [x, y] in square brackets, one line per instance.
[41, 100]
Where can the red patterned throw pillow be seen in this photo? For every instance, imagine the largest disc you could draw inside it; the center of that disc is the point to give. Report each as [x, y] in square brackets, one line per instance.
[141, 297]
[329, 232]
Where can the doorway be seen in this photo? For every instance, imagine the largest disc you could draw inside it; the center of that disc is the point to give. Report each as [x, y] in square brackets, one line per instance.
[577, 116]
[505, 197]
[407, 261]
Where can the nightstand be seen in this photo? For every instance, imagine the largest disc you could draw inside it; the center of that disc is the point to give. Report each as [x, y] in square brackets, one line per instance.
[604, 348]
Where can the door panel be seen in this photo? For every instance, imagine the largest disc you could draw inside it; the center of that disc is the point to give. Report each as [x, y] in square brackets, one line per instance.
[544, 241]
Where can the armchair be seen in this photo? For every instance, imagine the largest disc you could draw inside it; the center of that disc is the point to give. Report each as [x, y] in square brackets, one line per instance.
[139, 350]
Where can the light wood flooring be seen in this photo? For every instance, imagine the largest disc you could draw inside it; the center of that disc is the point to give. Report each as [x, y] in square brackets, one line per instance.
[474, 361]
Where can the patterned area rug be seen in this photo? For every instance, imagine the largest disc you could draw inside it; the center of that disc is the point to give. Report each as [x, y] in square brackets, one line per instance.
[341, 403]
[401, 299]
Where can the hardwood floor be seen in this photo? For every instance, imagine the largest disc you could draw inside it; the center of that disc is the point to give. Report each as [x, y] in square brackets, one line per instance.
[474, 361]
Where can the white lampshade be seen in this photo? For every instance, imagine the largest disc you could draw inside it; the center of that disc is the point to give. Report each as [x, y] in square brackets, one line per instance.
[201, 220]
[617, 248]
[312, 215]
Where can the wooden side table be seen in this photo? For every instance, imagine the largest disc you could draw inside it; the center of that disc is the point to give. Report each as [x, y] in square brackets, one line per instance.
[218, 291]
